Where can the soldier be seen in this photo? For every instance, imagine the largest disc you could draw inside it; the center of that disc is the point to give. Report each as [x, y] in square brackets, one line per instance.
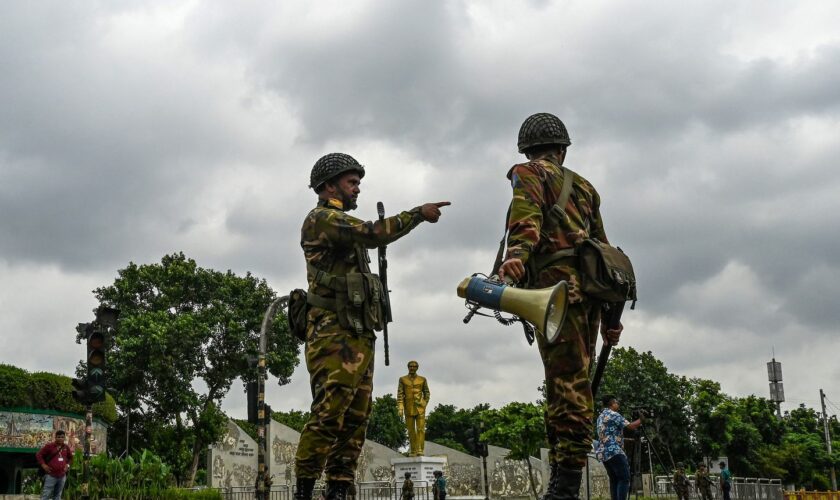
[681, 483]
[345, 301]
[412, 397]
[408, 487]
[703, 482]
[541, 252]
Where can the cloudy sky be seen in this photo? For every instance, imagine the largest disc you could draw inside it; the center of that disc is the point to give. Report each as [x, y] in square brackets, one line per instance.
[131, 130]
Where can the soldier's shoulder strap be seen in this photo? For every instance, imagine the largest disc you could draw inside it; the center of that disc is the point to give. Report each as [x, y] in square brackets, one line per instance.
[557, 212]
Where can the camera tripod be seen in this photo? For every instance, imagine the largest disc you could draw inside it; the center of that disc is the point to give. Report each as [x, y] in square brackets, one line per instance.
[636, 458]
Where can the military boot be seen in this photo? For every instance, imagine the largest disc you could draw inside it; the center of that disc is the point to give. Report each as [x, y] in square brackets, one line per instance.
[337, 490]
[303, 488]
[564, 484]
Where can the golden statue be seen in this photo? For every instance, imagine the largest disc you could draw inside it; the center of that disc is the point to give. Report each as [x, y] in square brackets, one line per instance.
[412, 398]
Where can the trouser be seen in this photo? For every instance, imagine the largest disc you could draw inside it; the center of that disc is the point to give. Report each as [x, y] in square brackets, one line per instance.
[416, 434]
[53, 486]
[726, 489]
[706, 493]
[340, 368]
[618, 470]
[682, 495]
[569, 411]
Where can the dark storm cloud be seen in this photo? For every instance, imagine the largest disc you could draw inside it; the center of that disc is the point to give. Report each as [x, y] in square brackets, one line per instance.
[135, 131]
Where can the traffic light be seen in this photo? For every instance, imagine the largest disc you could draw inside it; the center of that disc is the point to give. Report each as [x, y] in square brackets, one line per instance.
[475, 442]
[251, 391]
[79, 391]
[91, 388]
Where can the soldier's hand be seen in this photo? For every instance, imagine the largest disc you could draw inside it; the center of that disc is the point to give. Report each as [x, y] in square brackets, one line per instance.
[611, 336]
[513, 269]
[431, 211]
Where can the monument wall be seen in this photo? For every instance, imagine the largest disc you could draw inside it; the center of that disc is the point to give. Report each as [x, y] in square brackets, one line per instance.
[21, 430]
[234, 464]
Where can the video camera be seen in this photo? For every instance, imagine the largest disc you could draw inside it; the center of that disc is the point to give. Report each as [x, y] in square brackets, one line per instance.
[647, 412]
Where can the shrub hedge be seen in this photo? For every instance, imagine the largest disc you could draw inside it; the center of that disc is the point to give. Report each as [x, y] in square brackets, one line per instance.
[46, 391]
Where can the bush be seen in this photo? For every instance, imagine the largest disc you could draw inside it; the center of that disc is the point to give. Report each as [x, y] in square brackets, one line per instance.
[140, 476]
[46, 391]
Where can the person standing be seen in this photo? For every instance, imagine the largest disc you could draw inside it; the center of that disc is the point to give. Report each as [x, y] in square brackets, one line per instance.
[412, 398]
[725, 480]
[681, 483]
[345, 308]
[408, 487]
[55, 459]
[609, 447]
[439, 486]
[541, 251]
[703, 483]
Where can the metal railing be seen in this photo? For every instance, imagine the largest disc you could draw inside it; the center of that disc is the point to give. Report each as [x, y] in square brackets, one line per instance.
[743, 488]
[369, 490]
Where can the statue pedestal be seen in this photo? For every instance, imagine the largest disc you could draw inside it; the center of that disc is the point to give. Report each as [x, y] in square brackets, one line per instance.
[421, 469]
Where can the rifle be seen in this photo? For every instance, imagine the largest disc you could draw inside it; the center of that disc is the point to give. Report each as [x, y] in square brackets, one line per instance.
[383, 277]
[612, 318]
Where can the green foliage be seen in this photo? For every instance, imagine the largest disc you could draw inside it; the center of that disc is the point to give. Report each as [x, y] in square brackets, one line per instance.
[454, 425]
[140, 476]
[385, 426]
[46, 391]
[181, 324]
[294, 418]
[639, 379]
[519, 427]
[249, 428]
[449, 443]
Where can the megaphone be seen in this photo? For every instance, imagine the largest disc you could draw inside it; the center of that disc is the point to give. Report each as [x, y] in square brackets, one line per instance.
[545, 308]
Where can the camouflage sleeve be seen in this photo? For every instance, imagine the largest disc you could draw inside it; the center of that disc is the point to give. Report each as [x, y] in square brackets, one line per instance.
[526, 215]
[346, 230]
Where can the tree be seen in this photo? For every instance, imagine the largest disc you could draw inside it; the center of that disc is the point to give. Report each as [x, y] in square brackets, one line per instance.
[385, 426]
[184, 334]
[641, 380]
[709, 425]
[448, 424]
[519, 427]
[295, 419]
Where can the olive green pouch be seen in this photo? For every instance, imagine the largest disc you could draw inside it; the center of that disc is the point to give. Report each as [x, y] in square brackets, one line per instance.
[606, 272]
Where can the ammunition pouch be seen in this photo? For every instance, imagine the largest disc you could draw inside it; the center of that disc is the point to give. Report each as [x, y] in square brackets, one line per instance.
[358, 301]
[297, 312]
[606, 272]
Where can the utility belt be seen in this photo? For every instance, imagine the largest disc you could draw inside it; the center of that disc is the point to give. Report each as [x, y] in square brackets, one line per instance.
[358, 299]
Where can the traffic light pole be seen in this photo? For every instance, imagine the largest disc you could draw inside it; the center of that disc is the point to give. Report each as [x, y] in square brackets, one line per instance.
[86, 462]
[828, 439]
[263, 478]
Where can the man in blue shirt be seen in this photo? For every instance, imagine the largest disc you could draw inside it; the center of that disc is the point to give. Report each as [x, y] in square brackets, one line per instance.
[609, 449]
[725, 480]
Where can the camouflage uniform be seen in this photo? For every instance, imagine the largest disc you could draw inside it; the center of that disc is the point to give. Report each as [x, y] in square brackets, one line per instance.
[681, 484]
[704, 484]
[339, 359]
[533, 239]
[408, 490]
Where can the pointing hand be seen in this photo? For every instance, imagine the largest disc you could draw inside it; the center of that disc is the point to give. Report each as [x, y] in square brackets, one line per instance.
[431, 211]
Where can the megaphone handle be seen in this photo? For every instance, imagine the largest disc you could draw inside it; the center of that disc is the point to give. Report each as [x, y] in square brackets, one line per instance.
[469, 316]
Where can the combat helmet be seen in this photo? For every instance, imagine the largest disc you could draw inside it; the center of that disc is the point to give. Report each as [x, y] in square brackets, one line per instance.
[331, 165]
[541, 129]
